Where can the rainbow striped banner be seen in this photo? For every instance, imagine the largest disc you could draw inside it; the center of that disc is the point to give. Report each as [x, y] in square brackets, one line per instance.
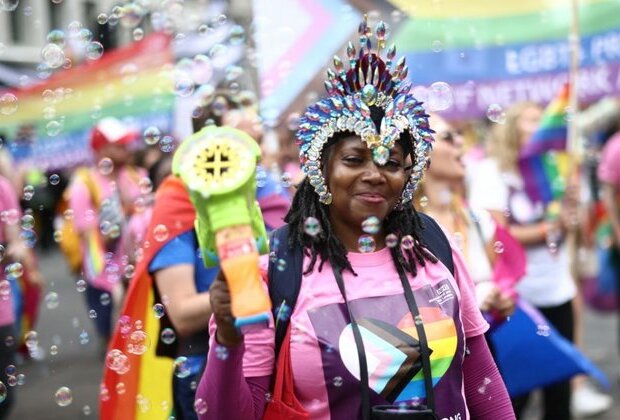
[499, 53]
[132, 83]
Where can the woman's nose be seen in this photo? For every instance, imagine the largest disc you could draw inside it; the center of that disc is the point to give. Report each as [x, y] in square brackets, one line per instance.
[373, 172]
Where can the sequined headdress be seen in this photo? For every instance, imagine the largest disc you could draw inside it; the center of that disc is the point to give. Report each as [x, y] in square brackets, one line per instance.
[370, 81]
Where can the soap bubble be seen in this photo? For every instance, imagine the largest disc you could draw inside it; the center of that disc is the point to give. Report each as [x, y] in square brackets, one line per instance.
[221, 352]
[440, 96]
[371, 225]
[437, 46]
[8, 5]
[236, 35]
[337, 381]
[53, 55]
[181, 367]
[94, 50]
[51, 300]
[105, 166]
[407, 242]
[63, 396]
[168, 336]
[160, 233]
[312, 227]
[159, 310]
[8, 104]
[28, 192]
[366, 243]
[3, 390]
[152, 135]
[391, 240]
[200, 406]
[496, 114]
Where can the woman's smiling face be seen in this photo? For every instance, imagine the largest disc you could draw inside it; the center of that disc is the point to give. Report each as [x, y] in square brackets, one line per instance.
[360, 188]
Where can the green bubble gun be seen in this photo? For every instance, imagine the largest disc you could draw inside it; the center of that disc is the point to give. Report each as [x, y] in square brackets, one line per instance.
[218, 166]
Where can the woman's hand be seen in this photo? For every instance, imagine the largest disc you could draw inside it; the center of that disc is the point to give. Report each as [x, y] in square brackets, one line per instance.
[227, 334]
[569, 213]
[504, 304]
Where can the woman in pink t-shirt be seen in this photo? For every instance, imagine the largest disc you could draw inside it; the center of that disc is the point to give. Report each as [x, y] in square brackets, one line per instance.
[378, 321]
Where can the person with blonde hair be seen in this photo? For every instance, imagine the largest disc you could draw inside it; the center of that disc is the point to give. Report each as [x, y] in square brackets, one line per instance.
[441, 195]
[498, 186]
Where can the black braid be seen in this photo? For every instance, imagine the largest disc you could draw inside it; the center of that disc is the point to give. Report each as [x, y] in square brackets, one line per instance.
[328, 247]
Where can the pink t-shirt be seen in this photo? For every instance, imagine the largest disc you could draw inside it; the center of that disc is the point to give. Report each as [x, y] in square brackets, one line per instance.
[323, 351]
[609, 167]
[86, 219]
[9, 214]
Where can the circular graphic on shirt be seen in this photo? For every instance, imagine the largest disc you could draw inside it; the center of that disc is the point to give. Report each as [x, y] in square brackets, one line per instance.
[393, 352]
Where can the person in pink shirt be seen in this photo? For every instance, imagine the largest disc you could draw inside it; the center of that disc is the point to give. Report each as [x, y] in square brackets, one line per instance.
[102, 199]
[381, 328]
[609, 175]
[13, 252]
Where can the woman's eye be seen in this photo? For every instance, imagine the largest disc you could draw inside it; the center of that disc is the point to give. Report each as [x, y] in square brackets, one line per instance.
[394, 163]
[353, 159]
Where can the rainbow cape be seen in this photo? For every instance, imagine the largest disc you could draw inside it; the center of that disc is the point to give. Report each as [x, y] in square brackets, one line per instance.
[148, 382]
[543, 162]
[131, 83]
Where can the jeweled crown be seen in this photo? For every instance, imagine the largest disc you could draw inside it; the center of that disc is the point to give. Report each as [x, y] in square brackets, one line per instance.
[369, 81]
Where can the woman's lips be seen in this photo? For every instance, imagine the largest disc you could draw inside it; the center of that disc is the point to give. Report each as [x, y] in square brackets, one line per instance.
[371, 198]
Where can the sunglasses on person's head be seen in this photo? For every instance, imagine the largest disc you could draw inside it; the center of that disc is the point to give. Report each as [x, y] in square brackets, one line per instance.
[449, 136]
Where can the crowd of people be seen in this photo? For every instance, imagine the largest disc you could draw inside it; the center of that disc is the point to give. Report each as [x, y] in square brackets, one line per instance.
[401, 238]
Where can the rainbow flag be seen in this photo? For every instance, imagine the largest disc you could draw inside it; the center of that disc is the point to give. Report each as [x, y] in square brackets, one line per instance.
[144, 376]
[552, 132]
[545, 176]
[543, 162]
[95, 252]
[132, 83]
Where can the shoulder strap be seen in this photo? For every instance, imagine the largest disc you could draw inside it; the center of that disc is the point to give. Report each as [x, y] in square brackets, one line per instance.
[284, 280]
[436, 241]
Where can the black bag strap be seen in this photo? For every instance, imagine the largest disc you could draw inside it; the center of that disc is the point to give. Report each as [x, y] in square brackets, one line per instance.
[436, 241]
[285, 279]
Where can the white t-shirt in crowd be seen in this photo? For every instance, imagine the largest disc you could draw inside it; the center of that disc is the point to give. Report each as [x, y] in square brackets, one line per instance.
[548, 281]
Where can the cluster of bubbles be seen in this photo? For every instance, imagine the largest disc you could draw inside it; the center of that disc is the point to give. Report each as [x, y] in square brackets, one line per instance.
[12, 379]
[117, 361]
[62, 47]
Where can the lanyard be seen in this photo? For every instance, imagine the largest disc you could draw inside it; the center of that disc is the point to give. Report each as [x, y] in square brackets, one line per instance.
[361, 353]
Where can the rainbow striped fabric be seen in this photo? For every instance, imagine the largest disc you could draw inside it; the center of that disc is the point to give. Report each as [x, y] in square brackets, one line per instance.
[144, 375]
[544, 176]
[544, 163]
[132, 83]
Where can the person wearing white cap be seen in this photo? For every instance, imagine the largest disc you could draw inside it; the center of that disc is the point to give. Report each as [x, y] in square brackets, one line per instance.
[102, 198]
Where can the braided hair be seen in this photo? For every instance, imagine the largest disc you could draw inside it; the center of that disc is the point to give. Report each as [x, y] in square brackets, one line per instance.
[325, 246]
